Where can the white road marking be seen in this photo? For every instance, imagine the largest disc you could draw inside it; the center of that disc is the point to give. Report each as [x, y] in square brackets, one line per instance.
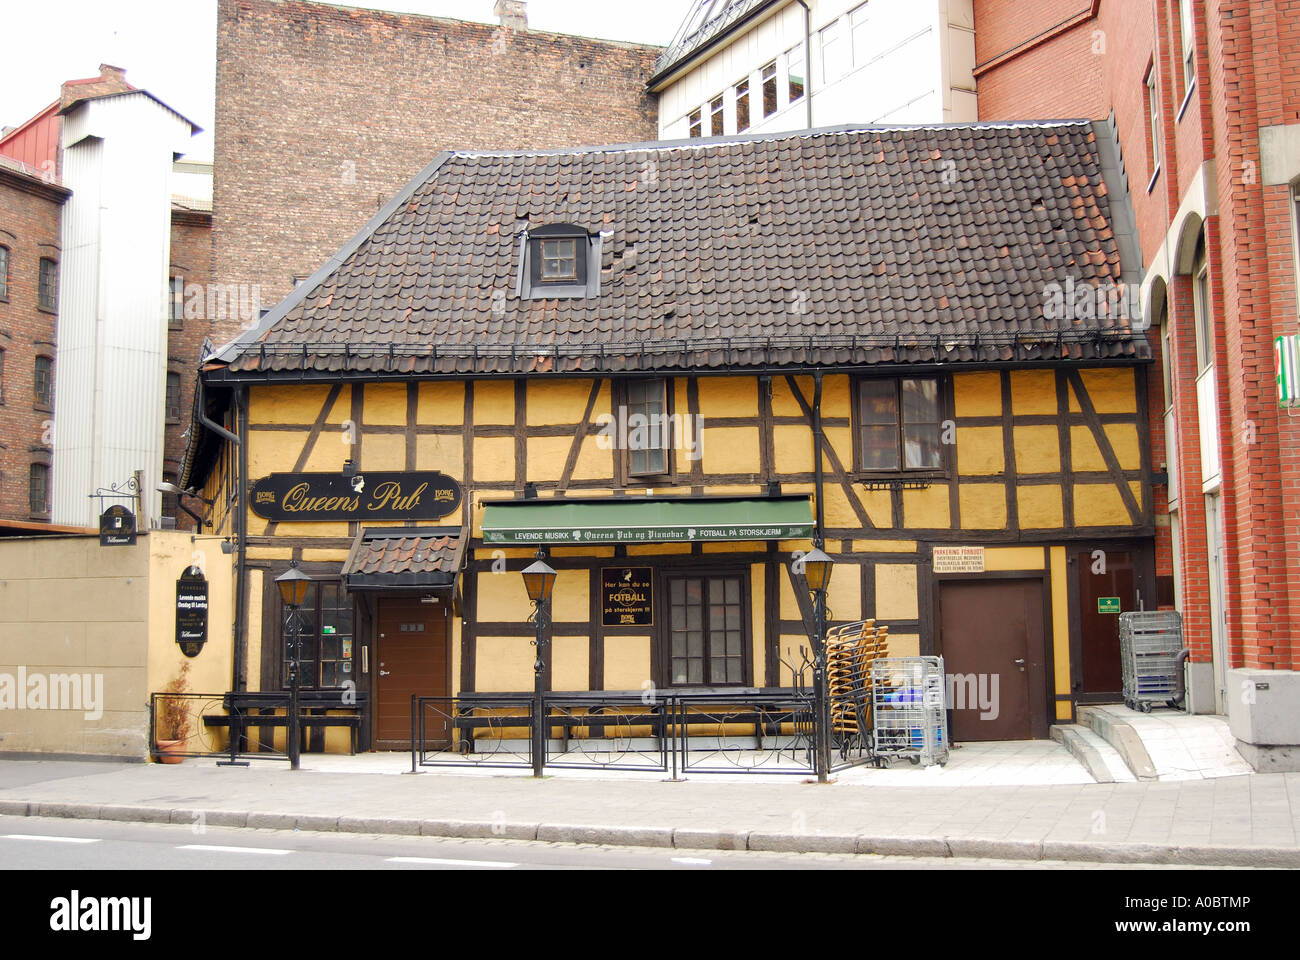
[500, 864]
[693, 861]
[216, 849]
[37, 836]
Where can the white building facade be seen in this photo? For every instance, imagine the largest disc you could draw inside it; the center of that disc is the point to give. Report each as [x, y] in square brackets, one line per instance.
[768, 66]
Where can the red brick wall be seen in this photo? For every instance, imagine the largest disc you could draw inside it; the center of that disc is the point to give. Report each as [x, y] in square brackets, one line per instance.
[324, 112]
[29, 227]
[1248, 75]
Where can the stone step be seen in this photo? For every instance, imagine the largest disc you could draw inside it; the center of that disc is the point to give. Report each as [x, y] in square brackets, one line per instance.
[1123, 738]
[1102, 761]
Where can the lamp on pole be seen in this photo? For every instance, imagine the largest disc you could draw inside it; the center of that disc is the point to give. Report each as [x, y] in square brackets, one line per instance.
[539, 581]
[817, 574]
[293, 584]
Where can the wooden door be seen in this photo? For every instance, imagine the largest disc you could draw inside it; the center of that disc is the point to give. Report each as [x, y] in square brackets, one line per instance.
[411, 659]
[1104, 576]
[991, 636]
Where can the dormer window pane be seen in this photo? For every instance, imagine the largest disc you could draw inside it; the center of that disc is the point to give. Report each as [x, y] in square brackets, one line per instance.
[560, 259]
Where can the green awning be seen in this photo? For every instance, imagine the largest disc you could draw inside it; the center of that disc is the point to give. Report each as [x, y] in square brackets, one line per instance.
[648, 521]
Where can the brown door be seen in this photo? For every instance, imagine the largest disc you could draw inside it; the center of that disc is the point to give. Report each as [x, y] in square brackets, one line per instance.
[1104, 575]
[990, 634]
[411, 659]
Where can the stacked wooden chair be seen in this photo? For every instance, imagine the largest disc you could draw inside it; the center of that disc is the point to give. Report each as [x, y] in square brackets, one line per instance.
[851, 649]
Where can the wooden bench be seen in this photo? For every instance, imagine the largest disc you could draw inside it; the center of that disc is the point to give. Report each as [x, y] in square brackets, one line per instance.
[261, 709]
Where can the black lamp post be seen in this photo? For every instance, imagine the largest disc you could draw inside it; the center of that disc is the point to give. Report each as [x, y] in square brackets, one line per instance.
[293, 584]
[539, 581]
[817, 574]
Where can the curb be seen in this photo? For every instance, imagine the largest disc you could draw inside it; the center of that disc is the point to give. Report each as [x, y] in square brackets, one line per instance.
[683, 838]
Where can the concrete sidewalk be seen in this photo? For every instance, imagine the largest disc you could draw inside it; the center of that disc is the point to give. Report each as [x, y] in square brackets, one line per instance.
[1244, 821]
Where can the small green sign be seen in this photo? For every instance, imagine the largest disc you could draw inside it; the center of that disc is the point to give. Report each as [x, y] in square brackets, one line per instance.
[1108, 604]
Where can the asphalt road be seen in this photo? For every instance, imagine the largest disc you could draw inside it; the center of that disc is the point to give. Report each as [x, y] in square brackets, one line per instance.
[32, 843]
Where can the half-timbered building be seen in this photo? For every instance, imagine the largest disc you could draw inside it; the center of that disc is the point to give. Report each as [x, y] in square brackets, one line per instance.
[674, 367]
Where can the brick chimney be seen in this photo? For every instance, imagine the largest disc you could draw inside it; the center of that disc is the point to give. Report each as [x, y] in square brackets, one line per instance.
[513, 14]
[111, 80]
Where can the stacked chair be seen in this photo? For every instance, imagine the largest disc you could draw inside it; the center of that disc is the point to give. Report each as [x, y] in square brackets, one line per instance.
[851, 649]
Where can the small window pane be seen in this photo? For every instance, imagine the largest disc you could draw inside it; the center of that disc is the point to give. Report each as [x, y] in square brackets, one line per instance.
[43, 381]
[879, 402]
[742, 106]
[697, 124]
[560, 259]
[4, 273]
[922, 446]
[769, 90]
[880, 448]
[39, 488]
[796, 75]
[920, 401]
[716, 117]
[47, 291]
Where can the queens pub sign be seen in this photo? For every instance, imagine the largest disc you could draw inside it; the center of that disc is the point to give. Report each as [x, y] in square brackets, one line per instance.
[316, 497]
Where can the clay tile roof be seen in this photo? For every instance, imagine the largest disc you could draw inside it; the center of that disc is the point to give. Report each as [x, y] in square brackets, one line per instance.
[836, 247]
[397, 554]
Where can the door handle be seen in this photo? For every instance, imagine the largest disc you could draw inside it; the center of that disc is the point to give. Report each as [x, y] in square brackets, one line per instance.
[384, 673]
[1020, 664]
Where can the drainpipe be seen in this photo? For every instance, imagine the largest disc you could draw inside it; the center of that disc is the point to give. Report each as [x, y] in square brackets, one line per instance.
[240, 666]
[817, 453]
[807, 58]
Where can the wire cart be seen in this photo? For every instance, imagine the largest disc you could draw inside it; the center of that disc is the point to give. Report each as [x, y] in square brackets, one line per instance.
[1149, 643]
[909, 710]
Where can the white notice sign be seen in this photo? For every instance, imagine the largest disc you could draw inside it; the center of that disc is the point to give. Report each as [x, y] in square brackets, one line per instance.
[958, 560]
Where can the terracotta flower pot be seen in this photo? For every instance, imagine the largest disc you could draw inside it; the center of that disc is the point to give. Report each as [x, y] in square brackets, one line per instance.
[169, 751]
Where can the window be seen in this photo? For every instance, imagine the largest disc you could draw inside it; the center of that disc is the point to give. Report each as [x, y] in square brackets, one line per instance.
[1153, 119]
[2, 376]
[169, 504]
[326, 631]
[769, 89]
[48, 289]
[38, 489]
[1204, 323]
[557, 262]
[697, 124]
[43, 382]
[835, 59]
[794, 60]
[862, 33]
[717, 118]
[559, 259]
[647, 434]
[742, 106]
[899, 425]
[1189, 44]
[707, 630]
[173, 397]
[4, 273]
[176, 297]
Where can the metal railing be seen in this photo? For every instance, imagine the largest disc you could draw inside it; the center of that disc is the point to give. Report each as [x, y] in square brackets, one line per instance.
[207, 725]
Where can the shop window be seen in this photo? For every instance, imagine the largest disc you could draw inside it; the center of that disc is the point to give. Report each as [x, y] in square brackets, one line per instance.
[769, 89]
[647, 427]
[47, 291]
[4, 273]
[708, 639]
[742, 106]
[899, 425]
[697, 123]
[717, 116]
[559, 261]
[38, 489]
[326, 624]
[43, 383]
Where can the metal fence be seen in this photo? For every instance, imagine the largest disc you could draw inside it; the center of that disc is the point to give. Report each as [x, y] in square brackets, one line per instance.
[208, 725]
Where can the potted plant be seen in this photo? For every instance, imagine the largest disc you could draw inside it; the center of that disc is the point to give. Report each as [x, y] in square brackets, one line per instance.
[173, 721]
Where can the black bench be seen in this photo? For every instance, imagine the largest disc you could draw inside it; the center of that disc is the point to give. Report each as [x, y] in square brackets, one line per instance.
[261, 709]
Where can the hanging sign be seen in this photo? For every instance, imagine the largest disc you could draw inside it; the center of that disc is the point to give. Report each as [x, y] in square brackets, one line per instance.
[316, 497]
[627, 596]
[192, 611]
[116, 527]
[958, 560]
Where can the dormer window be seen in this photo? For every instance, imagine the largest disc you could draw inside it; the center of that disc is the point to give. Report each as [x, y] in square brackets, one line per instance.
[559, 261]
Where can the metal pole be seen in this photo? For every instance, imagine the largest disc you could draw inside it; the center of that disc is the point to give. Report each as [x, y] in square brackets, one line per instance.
[539, 669]
[295, 664]
[820, 703]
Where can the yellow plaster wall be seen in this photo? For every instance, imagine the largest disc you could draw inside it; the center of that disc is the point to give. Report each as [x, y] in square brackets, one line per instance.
[977, 394]
[494, 458]
[983, 506]
[1038, 449]
[298, 403]
[756, 625]
[896, 597]
[884, 546]
[784, 403]
[385, 404]
[925, 508]
[727, 450]
[656, 549]
[571, 600]
[879, 505]
[728, 397]
[502, 598]
[627, 662]
[1013, 558]
[494, 402]
[593, 463]
[381, 452]
[979, 450]
[904, 645]
[546, 458]
[445, 453]
[1124, 441]
[570, 665]
[256, 584]
[1112, 389]
[1060, 629]
[1099, 505]
[1033, 392]
[1040, 506]
[844, 594]
[441, 403]
[793, 449]
[560, 401]
[1085, 455]
[503, 664]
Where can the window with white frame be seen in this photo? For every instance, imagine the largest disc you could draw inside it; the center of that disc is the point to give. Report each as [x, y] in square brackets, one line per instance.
[742, 106]
[835, 52]
[1153, 118]
[1189, 43]
[717, 116]
[797, 80]
[769, 89]
[1201, 311]
[861, 35]
[697, 123]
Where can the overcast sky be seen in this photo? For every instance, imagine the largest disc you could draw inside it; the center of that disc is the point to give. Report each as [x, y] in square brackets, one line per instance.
[168, 47]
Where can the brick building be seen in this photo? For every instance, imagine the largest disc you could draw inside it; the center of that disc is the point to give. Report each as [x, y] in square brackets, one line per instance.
[323, 112]
[1205, 100]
